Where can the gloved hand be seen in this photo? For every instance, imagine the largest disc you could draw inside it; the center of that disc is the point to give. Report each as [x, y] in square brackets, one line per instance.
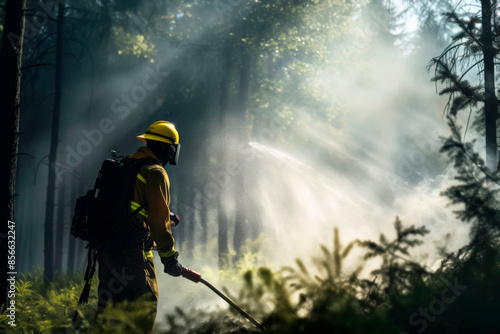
[174, 218]
[172, 266]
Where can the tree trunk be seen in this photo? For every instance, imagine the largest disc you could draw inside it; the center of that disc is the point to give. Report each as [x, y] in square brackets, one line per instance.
[203, 213]
[61, 209]
[54, 141]
[72, 240]
[491, 102]
[222, 238]
[10, 95]
[178, 232]
[242, 198]
[222, 219]
[187, 214]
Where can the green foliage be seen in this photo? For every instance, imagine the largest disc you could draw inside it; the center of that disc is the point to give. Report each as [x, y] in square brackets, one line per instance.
[123, 317]
[291, 54]
[475, 194]
[397, 271]
[44, 309]
[462, 94]
[136, 45]
[329, 268]
[50, 309]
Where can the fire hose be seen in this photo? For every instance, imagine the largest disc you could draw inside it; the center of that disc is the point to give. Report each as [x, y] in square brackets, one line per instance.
[195, 277]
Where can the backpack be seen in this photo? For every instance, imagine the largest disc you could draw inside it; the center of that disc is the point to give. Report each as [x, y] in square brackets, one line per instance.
[104, 213]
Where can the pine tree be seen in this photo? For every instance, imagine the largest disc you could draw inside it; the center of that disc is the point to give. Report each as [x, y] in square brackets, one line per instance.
[473, 48]
[49, 213]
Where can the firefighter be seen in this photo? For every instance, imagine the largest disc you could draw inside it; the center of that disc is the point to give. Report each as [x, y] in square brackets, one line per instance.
[126, 268]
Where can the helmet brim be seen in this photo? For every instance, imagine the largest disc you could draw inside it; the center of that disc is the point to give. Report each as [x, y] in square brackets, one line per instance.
[149, 136]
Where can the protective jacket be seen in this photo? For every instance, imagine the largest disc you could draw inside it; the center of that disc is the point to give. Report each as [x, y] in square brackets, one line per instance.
[152, 192]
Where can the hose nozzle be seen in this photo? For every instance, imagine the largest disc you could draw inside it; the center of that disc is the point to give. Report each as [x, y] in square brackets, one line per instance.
[191, 275]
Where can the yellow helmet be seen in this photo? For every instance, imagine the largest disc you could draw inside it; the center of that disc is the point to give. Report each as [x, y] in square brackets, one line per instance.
[161, 131]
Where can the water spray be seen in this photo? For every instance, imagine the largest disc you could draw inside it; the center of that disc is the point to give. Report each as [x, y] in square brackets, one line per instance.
[195, 277]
